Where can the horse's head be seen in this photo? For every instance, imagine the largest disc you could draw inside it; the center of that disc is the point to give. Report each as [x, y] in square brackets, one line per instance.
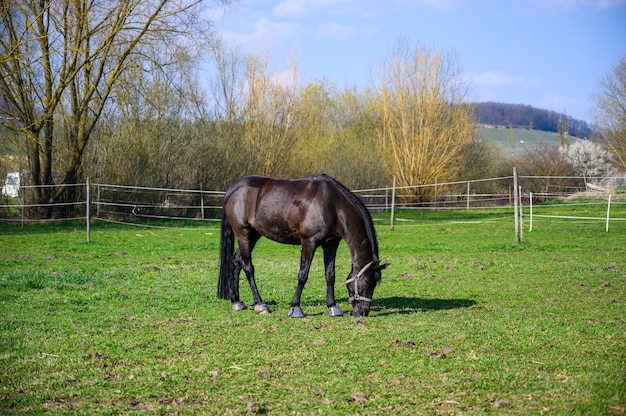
[361, 287]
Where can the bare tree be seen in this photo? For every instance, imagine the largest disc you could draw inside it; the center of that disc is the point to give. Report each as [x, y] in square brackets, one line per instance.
[254, 111]
[67, 57]
[546, 162]
[426, 124]
[226, 155]
[611, 111]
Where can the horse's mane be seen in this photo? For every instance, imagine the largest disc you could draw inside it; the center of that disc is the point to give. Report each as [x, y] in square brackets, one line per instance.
[361, 208]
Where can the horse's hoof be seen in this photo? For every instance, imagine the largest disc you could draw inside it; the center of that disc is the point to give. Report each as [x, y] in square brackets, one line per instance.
[296, 312]
[261, 308]
[239, 306]
[335, 311]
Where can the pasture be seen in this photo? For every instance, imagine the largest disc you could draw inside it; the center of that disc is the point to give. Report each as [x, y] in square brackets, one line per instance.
[524, 139]
[464, 322]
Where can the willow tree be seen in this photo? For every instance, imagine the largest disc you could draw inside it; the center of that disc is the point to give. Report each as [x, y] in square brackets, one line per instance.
[426, 124]
[64, 59]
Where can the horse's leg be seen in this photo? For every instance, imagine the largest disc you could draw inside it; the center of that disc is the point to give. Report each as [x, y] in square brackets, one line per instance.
[237, 304]
[330, 253]
[246, 245]
[306, 256]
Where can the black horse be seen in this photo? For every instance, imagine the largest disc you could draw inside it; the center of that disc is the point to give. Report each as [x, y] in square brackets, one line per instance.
[312, 211]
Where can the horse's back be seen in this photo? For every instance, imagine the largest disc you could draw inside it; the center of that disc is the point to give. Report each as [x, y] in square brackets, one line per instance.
[276, 191]
[283, 210]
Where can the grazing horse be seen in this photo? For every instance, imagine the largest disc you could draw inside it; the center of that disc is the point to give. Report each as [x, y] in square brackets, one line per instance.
[311, 212]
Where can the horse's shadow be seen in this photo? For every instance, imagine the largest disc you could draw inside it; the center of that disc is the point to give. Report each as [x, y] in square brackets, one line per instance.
[403, 305]
[394, 305]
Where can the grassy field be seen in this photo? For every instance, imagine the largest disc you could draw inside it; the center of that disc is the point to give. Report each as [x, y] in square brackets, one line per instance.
[464, 322]
[524, 139]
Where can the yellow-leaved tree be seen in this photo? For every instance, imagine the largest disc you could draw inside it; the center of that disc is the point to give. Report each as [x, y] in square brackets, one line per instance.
[426, 125]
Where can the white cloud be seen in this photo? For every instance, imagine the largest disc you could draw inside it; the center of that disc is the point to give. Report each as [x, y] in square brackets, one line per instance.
[291, 8]
[264, 31]
[441, 4]
[303, 8]
[497, 78]
[559, 102]
[338, 31]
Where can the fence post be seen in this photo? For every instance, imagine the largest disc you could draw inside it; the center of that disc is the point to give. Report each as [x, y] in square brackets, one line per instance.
[530, 202]
[608, 213]
[98, 202]
[202, 201]
[436, 205]
[515, 206]
[468, 195]
[88, 213]
[23, 206]
[521, 214]
[386, 198]
[393, 202]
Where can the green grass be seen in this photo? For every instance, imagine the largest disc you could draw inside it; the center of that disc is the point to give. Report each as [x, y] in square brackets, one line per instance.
[464, 322]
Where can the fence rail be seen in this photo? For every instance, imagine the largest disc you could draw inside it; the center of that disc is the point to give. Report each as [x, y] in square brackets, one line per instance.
[137, 205]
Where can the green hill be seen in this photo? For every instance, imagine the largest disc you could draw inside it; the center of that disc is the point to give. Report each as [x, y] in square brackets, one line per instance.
[522, 139]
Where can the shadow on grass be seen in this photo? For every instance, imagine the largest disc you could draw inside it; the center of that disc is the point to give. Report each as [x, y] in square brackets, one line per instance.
[403, 305]
[394, 305]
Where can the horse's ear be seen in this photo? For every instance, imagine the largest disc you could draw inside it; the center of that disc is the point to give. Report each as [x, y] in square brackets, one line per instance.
[382, 266]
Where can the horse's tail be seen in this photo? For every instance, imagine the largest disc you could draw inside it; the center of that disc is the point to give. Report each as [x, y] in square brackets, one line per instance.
[226, 281]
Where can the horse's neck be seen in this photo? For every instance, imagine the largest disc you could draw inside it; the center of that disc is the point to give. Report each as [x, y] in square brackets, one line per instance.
[356, 234]
[360, 246]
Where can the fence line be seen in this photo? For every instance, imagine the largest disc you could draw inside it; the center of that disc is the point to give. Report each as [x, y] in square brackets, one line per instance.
[429, 196]
[606, 218]
[140, 205]
[146, 188]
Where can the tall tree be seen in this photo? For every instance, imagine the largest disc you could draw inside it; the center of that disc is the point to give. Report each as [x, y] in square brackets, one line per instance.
[65, 58]
[611, 111]
[336, 135]
[426, 123]
[268, 115]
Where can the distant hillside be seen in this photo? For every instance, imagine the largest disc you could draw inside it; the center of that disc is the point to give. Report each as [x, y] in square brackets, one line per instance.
[522, 140]
[526, 117]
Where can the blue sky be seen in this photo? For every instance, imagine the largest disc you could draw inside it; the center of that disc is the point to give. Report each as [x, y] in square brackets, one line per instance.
[545, 53]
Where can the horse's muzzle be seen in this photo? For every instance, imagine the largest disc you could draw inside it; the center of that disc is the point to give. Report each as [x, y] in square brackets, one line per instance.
[360, 308]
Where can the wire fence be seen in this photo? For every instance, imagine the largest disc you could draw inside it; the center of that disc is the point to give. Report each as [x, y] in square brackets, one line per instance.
[116, 203]
[540, 198]
[477, 194]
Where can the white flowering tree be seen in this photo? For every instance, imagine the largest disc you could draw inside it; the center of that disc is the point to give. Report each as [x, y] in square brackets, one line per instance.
[589, 159]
